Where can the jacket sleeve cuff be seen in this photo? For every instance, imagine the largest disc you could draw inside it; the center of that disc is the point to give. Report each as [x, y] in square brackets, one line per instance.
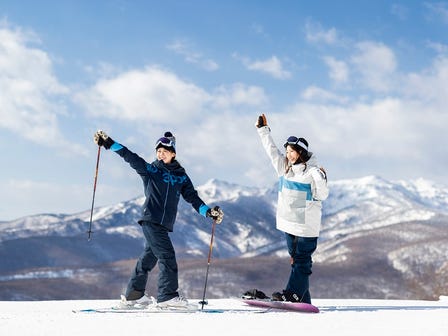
[203, 210]
[264, 130]
[116, 147]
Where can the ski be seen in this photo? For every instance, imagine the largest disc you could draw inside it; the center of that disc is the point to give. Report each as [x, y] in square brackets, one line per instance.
[136, 311]
[157, 309]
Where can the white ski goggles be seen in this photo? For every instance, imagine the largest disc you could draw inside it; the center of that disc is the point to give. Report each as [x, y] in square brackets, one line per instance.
[163, 141]
[293, 140]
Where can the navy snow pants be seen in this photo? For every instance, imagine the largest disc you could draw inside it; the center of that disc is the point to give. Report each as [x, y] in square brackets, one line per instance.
[300, 249]
[158, 248]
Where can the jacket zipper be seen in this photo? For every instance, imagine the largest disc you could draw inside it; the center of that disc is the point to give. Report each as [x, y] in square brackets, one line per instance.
[166, 199]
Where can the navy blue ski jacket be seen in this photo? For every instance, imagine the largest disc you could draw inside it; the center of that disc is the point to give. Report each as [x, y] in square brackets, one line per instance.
[163, 185]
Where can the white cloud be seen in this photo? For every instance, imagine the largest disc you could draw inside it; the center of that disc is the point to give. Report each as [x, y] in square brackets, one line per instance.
[314, 93]
[271, 66]
[239, 94]
[151, 94]
[429, 86]
[315, 33]
[384, 131]
[339, 71]
[376, 63]
[29, 91]
[160, 96]
[224, 146]
[191, 56]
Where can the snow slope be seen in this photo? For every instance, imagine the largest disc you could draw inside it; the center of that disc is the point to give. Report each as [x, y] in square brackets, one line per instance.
[337, 317]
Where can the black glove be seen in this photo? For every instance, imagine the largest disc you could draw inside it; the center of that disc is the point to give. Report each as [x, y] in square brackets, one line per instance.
[102, 139]
[261, 121]
[216, 214]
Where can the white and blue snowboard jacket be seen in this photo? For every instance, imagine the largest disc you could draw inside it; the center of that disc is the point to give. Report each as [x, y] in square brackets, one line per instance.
[301, 190]
[163, 185]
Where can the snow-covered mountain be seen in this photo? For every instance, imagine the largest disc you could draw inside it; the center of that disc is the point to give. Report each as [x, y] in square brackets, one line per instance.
[372, 202]
[368, 224]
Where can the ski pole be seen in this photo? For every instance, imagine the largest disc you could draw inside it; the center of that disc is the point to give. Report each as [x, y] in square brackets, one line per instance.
[94, 190]
[203, 302]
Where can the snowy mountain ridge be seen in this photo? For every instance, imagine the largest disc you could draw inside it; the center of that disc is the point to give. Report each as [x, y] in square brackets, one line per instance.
[396, 231]
[354, 204]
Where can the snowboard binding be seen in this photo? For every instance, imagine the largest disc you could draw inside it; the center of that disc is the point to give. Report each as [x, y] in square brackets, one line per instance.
[254, 294]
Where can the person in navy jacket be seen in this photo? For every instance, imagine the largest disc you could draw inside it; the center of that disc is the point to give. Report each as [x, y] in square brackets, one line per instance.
[164, 182]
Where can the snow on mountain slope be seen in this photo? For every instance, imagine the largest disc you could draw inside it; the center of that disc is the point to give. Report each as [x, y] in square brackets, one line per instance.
[371, 202]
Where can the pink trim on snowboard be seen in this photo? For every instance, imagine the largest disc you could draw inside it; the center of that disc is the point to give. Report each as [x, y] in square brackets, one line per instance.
[292, 306]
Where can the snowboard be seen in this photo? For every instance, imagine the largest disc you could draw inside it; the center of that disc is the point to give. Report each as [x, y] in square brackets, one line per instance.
[291, 306]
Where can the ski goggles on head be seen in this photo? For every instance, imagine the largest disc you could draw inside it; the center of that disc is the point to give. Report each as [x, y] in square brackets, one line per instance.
[293, 140]
[163, 141]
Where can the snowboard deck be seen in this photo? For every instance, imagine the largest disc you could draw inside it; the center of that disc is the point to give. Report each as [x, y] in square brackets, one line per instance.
[290, 306]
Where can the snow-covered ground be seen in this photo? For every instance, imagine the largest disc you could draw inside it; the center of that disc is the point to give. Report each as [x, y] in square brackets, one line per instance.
[337, 317]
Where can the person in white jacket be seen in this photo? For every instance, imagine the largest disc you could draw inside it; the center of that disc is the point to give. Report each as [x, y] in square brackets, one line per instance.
[302, 187]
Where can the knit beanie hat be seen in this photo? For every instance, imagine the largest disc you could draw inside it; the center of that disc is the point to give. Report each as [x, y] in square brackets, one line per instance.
[168, 141]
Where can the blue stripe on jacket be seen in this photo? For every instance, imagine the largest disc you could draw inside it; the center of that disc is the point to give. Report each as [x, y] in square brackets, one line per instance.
[292, 185]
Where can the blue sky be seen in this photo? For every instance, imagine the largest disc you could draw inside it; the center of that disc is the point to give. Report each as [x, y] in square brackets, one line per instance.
[365, 82]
